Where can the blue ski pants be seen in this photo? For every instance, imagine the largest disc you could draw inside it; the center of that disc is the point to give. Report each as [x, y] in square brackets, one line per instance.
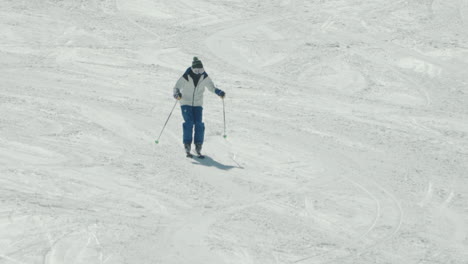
[193, 117]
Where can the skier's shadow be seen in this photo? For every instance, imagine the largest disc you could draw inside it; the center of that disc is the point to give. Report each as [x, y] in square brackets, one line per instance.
[209, 162]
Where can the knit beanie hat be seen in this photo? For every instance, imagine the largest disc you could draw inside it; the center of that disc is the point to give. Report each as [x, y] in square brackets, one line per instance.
[196, 63]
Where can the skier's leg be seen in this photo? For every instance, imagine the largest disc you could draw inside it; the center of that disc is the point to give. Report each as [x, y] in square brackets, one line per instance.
[187, 114]
[199, 125]
[199, 130]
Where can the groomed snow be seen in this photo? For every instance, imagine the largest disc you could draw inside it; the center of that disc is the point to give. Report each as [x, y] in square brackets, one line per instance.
[347, 132]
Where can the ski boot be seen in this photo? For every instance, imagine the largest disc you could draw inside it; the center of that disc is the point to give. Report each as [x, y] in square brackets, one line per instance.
[198, 148]
[187, 150]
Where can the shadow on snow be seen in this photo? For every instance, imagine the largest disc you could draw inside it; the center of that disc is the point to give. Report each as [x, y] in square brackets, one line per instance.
[209, 162]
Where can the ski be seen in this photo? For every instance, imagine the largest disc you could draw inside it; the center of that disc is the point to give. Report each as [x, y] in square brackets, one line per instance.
[200, 156]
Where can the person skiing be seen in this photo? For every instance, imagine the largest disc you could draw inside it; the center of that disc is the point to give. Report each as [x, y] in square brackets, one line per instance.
[189, 90]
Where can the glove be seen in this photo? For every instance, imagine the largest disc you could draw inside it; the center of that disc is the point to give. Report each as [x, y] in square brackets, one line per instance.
[220, 93]
[178, 96]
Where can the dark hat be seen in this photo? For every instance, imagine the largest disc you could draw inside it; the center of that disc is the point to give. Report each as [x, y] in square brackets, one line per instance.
[196, 63]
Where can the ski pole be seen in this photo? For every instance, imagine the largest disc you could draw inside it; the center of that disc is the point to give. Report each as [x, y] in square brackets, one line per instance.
[157, 140]
[224, 117]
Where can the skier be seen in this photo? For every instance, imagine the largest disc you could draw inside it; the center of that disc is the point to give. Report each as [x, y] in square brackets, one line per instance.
[189, 90]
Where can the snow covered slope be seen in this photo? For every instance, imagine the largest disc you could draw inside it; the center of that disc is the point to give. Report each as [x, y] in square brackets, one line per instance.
[347, 128]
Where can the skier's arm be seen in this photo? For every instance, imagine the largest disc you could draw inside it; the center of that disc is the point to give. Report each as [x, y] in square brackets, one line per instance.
[210, 85]
[176, 91]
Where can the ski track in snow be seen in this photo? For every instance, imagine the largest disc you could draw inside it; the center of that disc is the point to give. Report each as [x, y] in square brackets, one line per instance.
[347, 135]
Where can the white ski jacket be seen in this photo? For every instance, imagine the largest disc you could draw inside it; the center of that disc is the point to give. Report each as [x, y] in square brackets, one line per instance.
[193, 95]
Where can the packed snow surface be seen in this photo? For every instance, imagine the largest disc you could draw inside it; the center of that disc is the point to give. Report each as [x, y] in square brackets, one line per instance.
[347, 132]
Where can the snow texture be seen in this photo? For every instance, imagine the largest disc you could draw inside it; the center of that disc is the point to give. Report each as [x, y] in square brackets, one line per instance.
[347, 132]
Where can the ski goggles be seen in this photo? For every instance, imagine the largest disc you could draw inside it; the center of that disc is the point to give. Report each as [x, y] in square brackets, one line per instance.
[198, 70]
